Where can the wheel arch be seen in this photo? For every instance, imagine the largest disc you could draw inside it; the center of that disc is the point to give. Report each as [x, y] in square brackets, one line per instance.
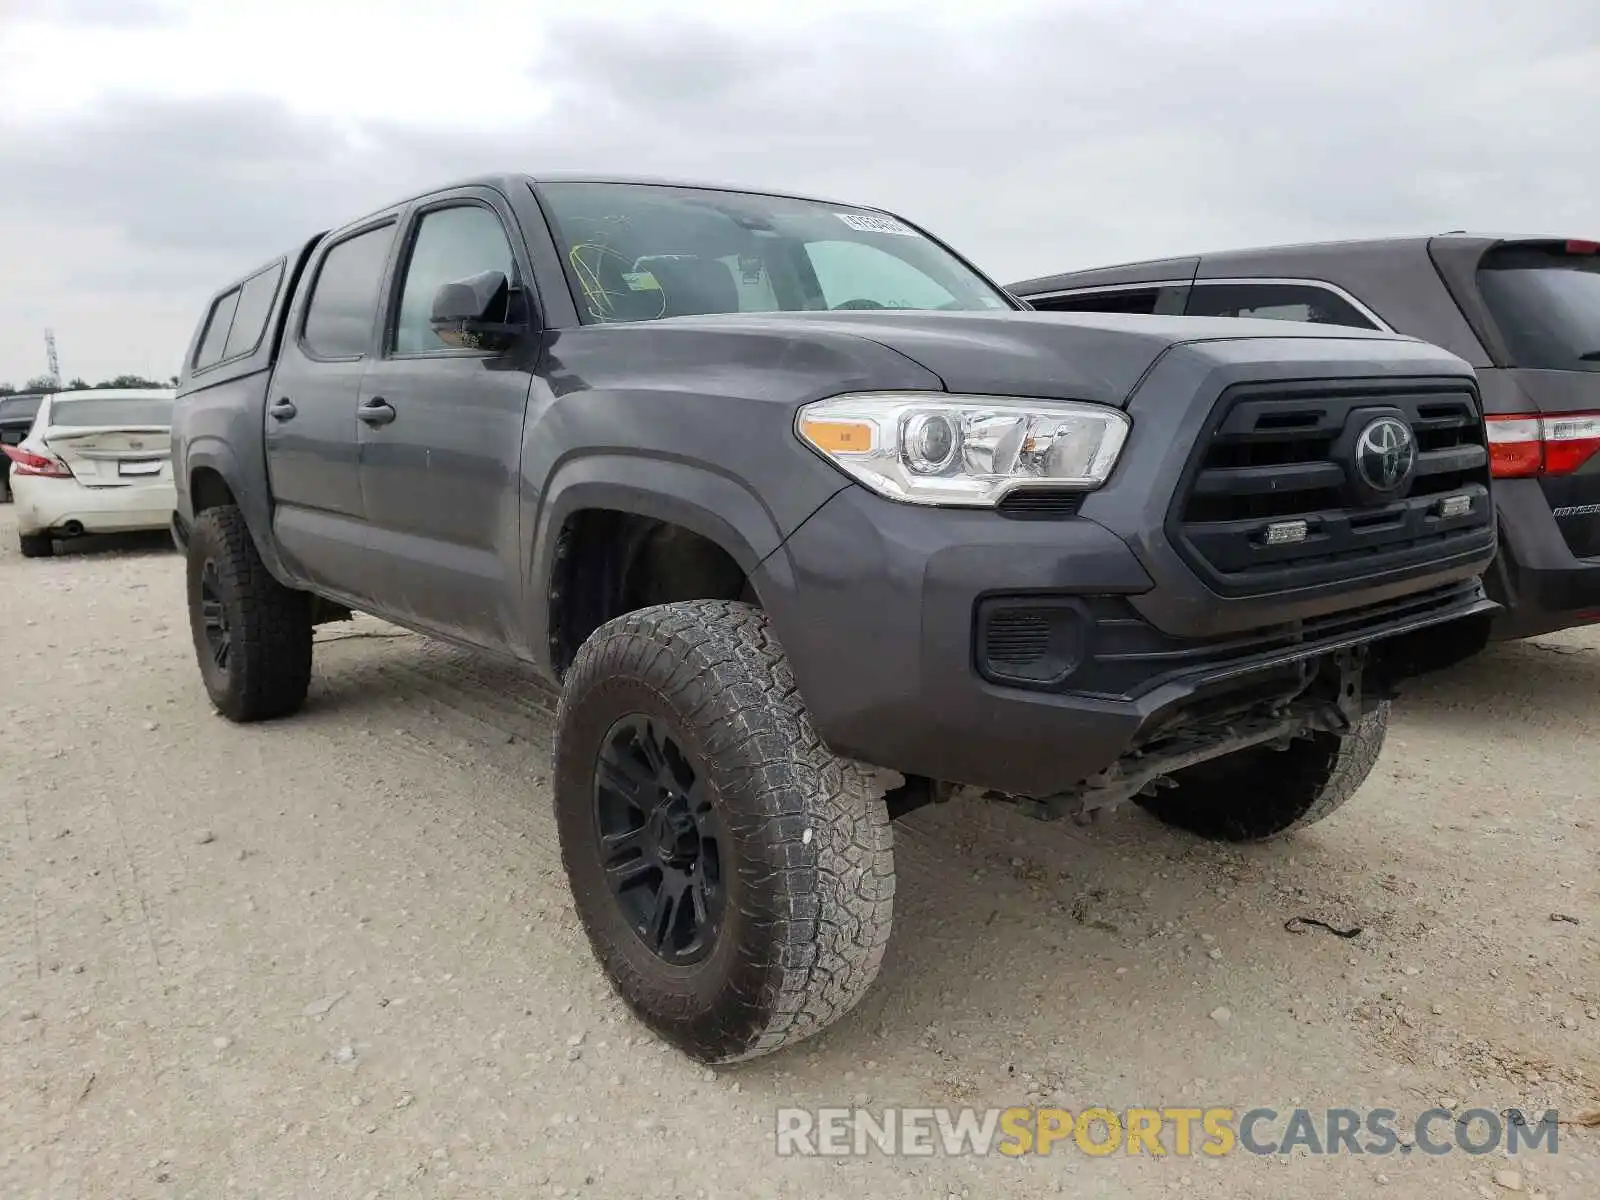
[212, 476]
[635, 498]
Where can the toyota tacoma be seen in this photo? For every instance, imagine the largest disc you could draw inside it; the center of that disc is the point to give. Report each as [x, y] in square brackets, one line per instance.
[813, 524]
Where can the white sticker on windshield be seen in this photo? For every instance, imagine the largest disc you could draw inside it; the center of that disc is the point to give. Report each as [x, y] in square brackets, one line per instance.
[641, 281]
[875, 223]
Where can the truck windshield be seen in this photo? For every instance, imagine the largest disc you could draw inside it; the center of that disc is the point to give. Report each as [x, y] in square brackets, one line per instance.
[638, 252]
[1546, 304]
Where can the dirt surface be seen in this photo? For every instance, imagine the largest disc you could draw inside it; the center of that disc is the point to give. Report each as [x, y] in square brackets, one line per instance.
[335, 955]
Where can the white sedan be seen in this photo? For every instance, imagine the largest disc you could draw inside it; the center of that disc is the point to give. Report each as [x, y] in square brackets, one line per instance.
[93, 462]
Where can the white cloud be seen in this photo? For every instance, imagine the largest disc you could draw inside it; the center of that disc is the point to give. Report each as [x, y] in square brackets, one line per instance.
[149, 151]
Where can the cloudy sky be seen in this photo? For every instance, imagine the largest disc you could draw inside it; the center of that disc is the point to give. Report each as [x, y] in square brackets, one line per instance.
[152, 149]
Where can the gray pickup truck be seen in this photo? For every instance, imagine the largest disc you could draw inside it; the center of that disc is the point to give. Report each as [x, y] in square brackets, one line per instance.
[813, 524]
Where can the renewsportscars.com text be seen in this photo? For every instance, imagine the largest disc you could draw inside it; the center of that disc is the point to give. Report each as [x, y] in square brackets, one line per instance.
[1178, 1131]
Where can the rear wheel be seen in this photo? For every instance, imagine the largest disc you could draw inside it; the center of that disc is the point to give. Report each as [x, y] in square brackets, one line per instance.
[36, 545]
[735, 878]
[1263, 793]
[252, 635]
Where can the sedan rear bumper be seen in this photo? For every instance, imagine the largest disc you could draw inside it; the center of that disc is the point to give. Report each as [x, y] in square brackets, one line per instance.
[65, 507]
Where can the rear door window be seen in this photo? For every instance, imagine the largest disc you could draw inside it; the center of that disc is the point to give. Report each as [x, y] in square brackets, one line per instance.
[344, 300]
[216, 334]
[1545, 301]
[1275, 302]
[250, 316]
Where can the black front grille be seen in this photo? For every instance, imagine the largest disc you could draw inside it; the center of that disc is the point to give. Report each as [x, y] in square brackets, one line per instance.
[1280, 454]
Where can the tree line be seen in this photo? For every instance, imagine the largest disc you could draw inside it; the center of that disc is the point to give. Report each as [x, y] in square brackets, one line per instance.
[43, 383]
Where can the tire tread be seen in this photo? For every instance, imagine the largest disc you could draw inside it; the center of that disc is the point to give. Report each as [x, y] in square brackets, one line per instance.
[270, 663]
[1274, 793]
[825, 828]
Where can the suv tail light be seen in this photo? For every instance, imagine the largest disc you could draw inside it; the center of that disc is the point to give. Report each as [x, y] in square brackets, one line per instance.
[1521, 447]
[26, 462]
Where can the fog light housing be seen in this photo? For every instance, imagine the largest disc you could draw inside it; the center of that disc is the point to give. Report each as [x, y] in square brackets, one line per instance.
[1026, 641]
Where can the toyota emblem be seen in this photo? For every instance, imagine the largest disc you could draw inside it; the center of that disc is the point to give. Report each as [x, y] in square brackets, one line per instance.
[1386, 453]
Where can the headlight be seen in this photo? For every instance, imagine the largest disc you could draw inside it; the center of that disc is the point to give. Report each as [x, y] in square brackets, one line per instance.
[934, 448]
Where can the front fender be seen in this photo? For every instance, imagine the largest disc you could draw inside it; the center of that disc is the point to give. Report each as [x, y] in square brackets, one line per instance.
[700, 498]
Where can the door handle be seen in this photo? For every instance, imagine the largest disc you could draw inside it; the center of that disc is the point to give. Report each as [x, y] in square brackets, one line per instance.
[376, 411]
[283, 410]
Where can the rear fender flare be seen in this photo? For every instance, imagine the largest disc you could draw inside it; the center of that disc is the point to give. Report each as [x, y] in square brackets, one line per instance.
[214, 454]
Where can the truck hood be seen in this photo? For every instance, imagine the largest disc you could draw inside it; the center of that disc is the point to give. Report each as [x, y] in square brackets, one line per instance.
[1059, 356]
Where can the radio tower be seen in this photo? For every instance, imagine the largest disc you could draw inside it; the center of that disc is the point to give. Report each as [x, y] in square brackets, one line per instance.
[50, 354]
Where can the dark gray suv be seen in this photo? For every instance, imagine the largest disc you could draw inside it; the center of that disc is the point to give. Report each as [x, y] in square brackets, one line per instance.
[1524, 311]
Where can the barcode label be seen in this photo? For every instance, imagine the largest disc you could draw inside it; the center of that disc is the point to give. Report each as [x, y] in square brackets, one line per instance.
[875, 223]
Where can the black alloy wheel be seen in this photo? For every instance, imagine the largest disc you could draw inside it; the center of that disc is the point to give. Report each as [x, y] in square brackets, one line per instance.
[734, 876]
[252, 635]
[214, 615]
[661, 839]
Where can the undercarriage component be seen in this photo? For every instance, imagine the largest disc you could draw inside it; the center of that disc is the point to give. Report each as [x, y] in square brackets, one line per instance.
[1329, 698]
[324, 612]
[916, 792]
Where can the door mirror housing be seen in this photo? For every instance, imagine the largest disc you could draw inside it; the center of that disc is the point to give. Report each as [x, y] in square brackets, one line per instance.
[481, 312]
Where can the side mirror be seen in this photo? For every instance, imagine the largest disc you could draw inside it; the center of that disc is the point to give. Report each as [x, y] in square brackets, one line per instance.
[477, 313]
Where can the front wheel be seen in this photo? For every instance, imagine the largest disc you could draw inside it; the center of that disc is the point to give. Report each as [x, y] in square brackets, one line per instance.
[252, 635]
[735, 878]
[1262, 793]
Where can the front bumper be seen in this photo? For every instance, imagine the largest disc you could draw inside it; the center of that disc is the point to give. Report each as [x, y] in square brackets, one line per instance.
[876, 604]
[1541, 585]
[886, 609]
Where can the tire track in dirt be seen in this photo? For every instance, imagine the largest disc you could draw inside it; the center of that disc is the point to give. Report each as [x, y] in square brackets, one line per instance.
[391, 845]
[474, 710]
[33, 887]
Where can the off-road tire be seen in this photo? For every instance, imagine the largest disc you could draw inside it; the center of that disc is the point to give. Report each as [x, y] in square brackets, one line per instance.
[36, 545]
[268, 667]
[810, 876]
[1263, 793]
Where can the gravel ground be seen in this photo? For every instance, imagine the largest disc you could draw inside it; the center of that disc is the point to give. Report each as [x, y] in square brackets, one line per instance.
[335, 956]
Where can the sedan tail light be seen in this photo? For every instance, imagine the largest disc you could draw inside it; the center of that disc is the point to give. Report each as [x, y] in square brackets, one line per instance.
[26, 462]
[1524, 446]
